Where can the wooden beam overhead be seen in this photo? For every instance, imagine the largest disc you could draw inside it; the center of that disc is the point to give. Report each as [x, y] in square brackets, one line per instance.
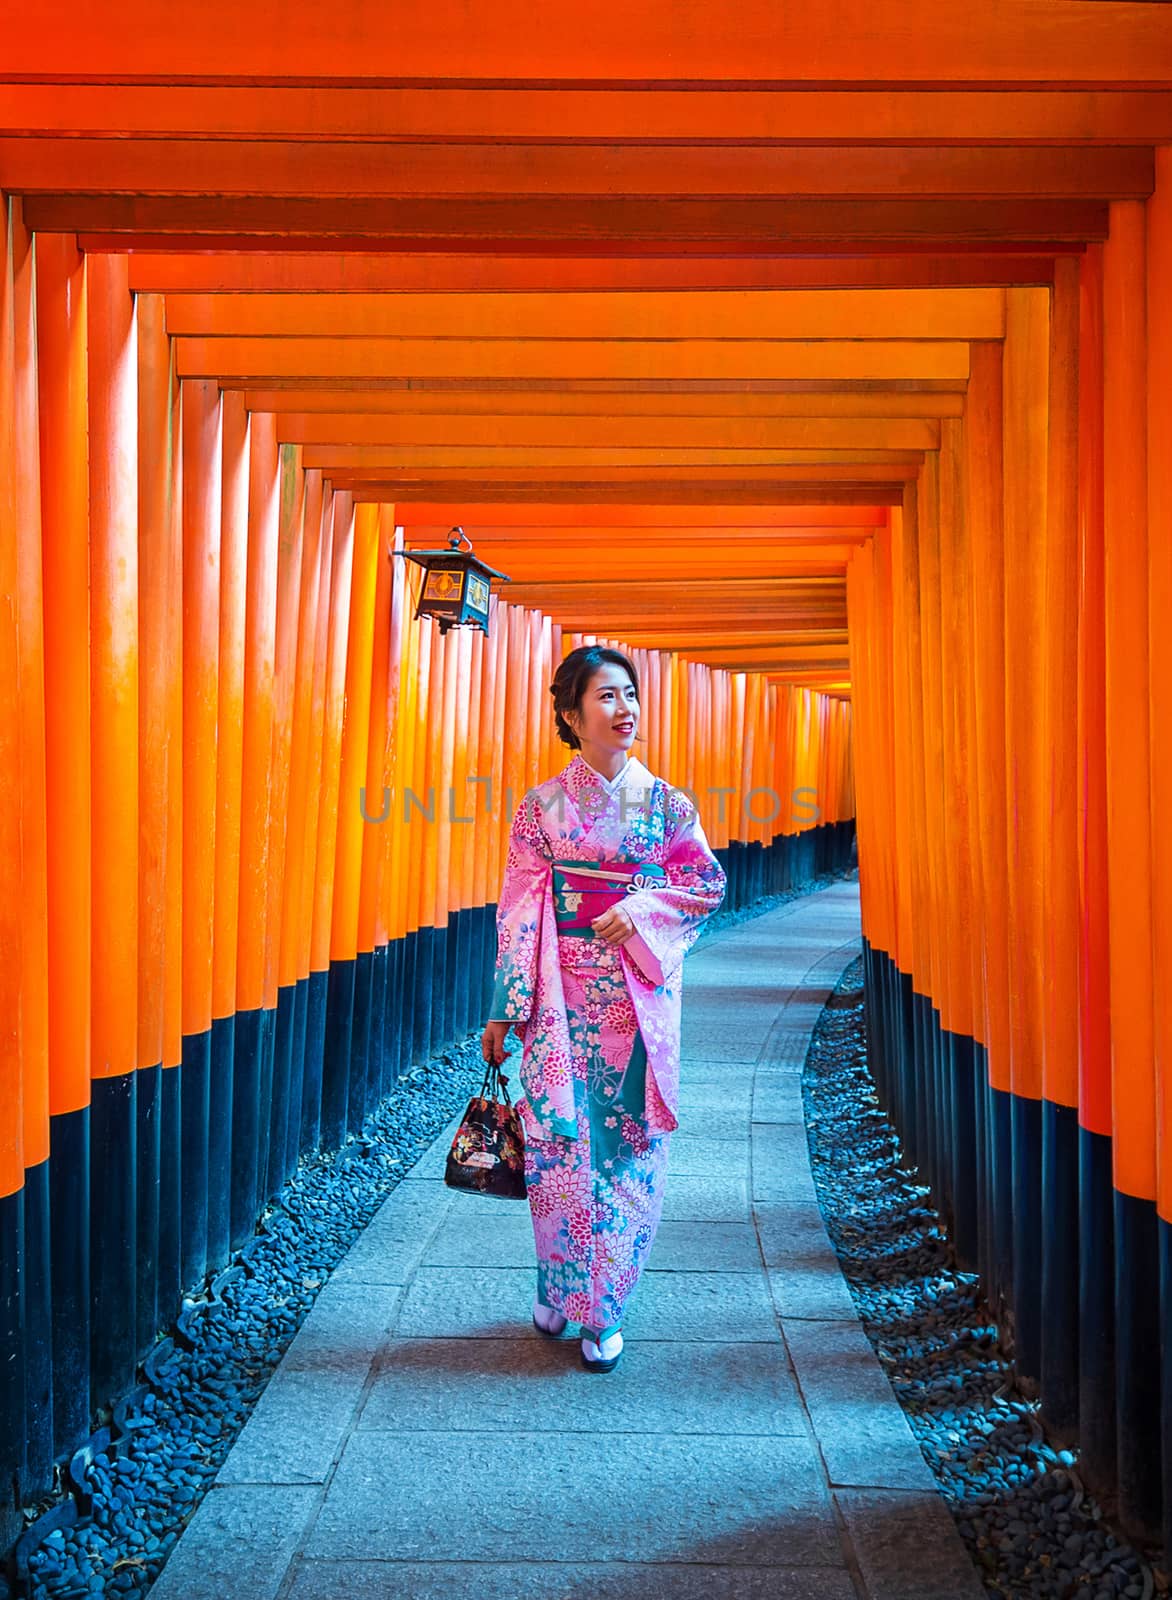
[395, 171]
[758, 315]
[925, 43]
[835, 115]
[575, 434]
[255, 360]
[622, 221]
[404, 492]
[737, 408]
[318, 272]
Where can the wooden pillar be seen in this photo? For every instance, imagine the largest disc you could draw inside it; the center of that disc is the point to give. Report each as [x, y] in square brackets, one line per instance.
[113, 475]
[1129, 860]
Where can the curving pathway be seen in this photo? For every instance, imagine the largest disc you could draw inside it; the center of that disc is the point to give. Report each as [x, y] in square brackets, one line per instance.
[421, 1440]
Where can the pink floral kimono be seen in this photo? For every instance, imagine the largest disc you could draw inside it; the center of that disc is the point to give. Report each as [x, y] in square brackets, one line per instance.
[600, 1026]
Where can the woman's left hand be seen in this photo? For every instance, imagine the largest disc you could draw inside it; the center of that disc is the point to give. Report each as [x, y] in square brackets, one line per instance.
[614, 925]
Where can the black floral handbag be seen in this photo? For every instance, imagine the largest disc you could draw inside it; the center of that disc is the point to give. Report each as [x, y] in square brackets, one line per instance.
[488, 1152]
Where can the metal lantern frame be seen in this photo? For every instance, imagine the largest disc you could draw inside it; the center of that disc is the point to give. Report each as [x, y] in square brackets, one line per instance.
[456, 584]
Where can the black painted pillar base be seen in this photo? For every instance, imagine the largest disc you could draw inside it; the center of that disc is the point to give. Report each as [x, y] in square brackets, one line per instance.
[1060, 1269]
[170, 1284]
[296, 1080]
[221, 1072]
[149, 1106]
[359, 1102]
[244, 1197]
[335, 1087]
[1096, 1314]
[282, 1025]
[38, 1335]
[1137, 1366]
[13, 1399]
[194, 1112]
[113, 1238]
[1026, 1139]
[317, 999]
[69, 1203]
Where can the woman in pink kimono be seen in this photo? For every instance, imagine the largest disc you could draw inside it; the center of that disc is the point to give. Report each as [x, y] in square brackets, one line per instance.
[588, 973]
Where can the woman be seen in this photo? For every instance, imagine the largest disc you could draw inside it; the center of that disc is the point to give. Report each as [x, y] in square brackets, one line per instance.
[596, 998]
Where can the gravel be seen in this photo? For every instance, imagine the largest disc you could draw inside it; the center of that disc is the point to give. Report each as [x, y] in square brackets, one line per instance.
[1030, 1526]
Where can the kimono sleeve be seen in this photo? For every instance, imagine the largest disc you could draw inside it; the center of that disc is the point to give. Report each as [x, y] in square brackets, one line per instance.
[518, 916]
[668, 919]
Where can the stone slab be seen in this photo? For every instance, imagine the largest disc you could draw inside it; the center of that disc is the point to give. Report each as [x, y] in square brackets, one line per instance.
[240, 1541]
[707, 1498]
[804, 1274]
[539, 1579]
[907, 1546]
[497, 1303]
[702, 1388]
[390, 1247]
[705, 1199]
[864, 1436]
[297, 1427]
[781, 1163]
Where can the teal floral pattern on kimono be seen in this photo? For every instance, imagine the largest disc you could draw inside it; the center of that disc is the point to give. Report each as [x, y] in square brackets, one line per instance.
[571, 817]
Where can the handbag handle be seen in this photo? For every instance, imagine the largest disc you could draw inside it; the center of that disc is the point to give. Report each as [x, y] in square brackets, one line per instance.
[494, 1081]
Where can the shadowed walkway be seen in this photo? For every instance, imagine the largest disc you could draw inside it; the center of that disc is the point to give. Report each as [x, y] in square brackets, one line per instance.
[421, 1439]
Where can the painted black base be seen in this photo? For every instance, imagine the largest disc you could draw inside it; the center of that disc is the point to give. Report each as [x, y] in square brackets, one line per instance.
[12, 1363]
[1028, 1236]
[170, 1161]
[335, 1087]
[221, 1067]
[317, 996]
[38, 1336]
[245, 1124]
[113, 1238]
[1137, 1365]
[1096, 1313]
[148, 1114]
[279, 1095]
[1060, 1219]
[194, 1113]
[70, 1255]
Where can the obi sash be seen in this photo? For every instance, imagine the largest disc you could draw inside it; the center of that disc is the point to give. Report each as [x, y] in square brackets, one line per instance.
[583, 890]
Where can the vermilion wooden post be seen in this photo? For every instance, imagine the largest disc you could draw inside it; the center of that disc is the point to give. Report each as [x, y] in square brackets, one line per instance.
[113, 471]
[985, 511]
[202, 496]
[229, 758]
[251, 1028]
[13, 1395]
[1129, 861]
[1058, 796]
[34, 951]
[276, 1063]
[317, 977]
[158, 651]
[63, 406]
[293, 965]
[1096, 1325]
[1026, 388]
[1159, 309]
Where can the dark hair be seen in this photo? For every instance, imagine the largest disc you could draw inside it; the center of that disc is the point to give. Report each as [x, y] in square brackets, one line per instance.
[571, 678]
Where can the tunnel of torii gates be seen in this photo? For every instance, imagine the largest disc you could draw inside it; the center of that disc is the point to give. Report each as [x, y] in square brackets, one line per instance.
[818, 360]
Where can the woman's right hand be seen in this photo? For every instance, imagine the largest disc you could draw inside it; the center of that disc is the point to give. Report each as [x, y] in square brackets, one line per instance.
[492, 1042]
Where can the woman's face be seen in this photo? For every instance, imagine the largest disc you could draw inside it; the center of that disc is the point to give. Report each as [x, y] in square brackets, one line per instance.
[608, 714]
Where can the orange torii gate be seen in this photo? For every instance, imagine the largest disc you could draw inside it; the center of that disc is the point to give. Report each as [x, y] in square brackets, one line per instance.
[814, 361]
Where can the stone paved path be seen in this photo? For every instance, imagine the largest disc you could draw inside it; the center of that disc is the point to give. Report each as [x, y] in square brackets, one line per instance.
[421, 1440]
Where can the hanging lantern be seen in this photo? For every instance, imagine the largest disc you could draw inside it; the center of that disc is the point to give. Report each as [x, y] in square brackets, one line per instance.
[455, 584]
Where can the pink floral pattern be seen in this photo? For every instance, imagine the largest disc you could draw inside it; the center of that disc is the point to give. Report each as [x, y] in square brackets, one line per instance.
[600, 1027]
